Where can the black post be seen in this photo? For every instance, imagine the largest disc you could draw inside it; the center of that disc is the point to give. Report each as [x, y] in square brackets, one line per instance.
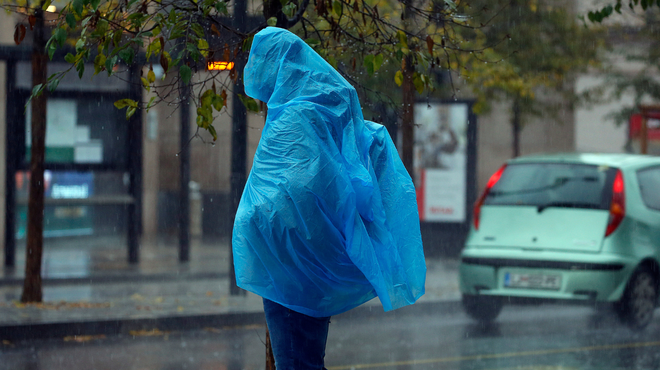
[135, 170]
[11, 161]
[515, 125]
[238, 138]
[184, 175]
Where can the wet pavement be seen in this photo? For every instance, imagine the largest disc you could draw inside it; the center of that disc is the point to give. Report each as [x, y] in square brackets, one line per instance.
[548, 337]
[90, 289]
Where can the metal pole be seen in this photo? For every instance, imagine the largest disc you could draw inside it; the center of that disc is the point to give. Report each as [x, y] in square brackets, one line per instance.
[135, 171]
[184, 176]
[238, 139]
[10, 168]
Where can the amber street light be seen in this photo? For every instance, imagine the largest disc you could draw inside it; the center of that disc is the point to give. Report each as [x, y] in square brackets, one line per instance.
[220, 66]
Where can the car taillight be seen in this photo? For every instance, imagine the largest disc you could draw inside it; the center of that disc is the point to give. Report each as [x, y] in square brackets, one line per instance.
[618, 204]
[477, 206]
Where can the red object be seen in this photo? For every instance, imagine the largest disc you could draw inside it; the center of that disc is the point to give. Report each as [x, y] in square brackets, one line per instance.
[477, 206]
[635, 126]
[618, 204]
[420, 195]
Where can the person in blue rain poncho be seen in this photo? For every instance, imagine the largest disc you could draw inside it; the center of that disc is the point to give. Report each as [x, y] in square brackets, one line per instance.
[328, 218]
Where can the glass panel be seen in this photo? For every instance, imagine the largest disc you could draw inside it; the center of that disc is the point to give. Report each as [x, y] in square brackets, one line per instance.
[540, 184]
[649, 183]
[82, 130]
[77, 203]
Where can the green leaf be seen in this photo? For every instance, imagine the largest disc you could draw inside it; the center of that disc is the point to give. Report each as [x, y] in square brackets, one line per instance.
[80, 67]
[80, 45]
[289, 9]
[398, 77]
[313, 42]
[186, 73]
[59, 35]
[151, 76]
[153, 48]
[333, 62]
[95, 4]
[127, 55]
[151, 102]
[337, 8]
[221, 7]
[123, 103]
[369, 63]
[46, 4]
[37, 89]
[110, 64]
[272, 21]
[130, 112]
[218, 102]
[197, 28]
[70, 20]
[378, 62]
[70, 58]
[51, 47]
[77, 6]
[418, 82]
[203, 47]
[249, 103]
[101, 28]
[136, 17]
[99, 63]
[204, 116]
[53, 84]
[403, 39]
[165, 61]
[212, 132]
[193, 50]
[247, 43]
[116, 38]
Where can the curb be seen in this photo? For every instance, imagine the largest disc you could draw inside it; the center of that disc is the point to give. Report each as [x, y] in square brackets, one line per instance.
[124, 278]
[31, 331]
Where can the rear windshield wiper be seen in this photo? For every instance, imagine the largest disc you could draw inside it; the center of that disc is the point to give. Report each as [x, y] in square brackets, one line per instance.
[542, 207]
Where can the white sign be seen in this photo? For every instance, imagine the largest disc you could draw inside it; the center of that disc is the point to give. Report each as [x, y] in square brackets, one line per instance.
[440, 161]
[61, 118]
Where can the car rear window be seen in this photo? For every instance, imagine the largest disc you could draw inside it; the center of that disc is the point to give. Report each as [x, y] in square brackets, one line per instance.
[554, 185]
[649, 183]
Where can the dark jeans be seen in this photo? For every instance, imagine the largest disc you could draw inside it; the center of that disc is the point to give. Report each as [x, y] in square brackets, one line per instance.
[298, 340]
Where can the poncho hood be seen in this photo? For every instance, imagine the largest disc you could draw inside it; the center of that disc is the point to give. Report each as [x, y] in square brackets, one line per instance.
[328, 218]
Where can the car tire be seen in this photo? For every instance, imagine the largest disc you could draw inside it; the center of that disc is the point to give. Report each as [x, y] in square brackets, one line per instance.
[636, 307]
[482, 308]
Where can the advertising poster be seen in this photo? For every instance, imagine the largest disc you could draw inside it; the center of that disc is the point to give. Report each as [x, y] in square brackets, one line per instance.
[440, 161]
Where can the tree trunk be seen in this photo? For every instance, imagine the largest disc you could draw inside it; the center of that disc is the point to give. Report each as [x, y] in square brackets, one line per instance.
[515, 125]
[407, 126]
[408, 91]
[32, 290]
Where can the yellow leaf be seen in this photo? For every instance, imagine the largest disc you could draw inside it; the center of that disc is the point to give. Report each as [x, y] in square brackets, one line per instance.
[83, 338]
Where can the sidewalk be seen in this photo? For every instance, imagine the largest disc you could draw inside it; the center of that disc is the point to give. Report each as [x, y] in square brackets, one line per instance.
[90, 289]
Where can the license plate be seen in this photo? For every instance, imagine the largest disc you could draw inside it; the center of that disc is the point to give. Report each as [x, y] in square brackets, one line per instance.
[532, 281]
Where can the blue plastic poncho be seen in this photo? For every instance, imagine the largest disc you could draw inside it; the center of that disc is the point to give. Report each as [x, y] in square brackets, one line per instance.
[328, 218]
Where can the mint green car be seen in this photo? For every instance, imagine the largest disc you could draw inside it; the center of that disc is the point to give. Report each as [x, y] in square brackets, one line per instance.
[567, 227]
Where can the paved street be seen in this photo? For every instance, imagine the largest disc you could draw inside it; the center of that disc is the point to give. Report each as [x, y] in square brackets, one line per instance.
[527, 337]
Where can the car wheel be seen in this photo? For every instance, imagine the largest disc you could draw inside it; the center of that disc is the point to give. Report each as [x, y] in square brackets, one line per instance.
[638, 302]
[482, 308]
